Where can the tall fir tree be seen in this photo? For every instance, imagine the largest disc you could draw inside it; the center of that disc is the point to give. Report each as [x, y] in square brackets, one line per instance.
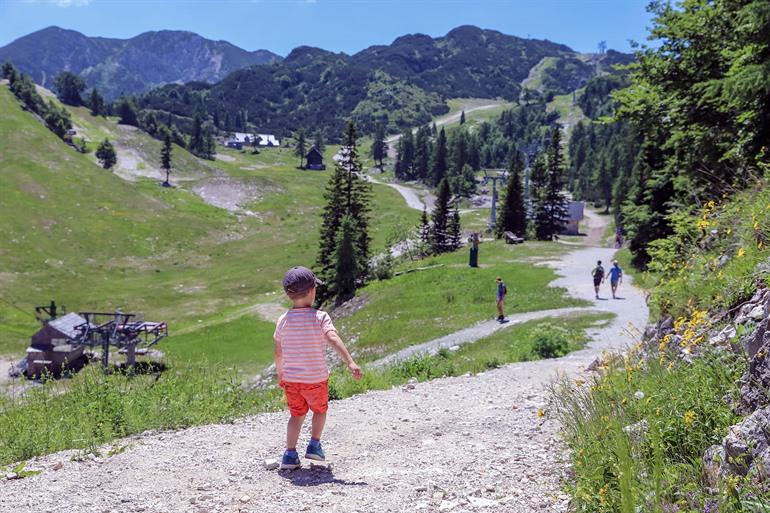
[318, 141]
[347, 194]
[379, 146]
[439, 163]
[513, 215]
[538, 179]
[454, 230]
[96, 103]
[440, 219]
[424, 233]
[196, 143]
[347, 262]
[165, 156]
[422, 154]
[300, 146]
[404, 167]
[554, 201]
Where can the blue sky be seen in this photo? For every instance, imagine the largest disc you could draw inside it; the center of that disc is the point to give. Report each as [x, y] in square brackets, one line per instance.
[338, 25]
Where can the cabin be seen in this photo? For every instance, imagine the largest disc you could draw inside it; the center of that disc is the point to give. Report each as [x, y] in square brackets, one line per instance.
[234, 144]
[315, 160]
[268, 140]
[574, 216]
[53, 348]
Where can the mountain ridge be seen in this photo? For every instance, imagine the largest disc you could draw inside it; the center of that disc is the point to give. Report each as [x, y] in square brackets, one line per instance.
[128, 66]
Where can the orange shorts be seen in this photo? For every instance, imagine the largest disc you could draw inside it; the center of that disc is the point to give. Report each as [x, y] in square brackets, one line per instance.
[303, 396]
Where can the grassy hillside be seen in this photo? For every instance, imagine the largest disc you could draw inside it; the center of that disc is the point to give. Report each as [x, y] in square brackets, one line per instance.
[91, 240]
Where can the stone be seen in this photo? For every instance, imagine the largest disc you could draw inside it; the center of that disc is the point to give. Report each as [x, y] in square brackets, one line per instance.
[756, 339]
[637, 431]
[746, 443]
[271, 464]
[713, 459]
[447, 505]
[12, 475]
[757, 313]
[454, 348]
[594, 365]
[245, 499]
[481, 502]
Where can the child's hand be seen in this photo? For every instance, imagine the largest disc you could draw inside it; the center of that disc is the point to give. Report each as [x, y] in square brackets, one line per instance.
[355, 370]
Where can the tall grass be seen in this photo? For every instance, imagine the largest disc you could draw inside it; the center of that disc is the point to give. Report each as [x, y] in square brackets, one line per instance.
[638, 431]
[94, 408]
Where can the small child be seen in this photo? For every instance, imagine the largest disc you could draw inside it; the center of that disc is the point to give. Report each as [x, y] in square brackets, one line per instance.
[301, 335]
[502, 291]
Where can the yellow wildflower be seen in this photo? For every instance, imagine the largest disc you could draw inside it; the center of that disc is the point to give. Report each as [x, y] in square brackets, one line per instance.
[689, 417]
[741, 252]
[540, 412]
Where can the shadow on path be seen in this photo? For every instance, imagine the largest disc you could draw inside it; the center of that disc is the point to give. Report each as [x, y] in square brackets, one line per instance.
[316, 477]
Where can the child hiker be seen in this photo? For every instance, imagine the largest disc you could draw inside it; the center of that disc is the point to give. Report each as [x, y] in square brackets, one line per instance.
[502, 290]
[301, 335]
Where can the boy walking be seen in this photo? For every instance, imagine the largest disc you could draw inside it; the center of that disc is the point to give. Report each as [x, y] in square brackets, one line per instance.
[501, 293]
[598, 274]
[616, 277]
[301, 335]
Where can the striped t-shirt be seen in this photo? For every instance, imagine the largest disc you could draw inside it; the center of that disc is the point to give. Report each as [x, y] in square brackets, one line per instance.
[300, 331]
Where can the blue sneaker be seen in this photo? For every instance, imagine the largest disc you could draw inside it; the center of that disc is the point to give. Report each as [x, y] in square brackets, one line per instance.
[290, 461]
[315, 452]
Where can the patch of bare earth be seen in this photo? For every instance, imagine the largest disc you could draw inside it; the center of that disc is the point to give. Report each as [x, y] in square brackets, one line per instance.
[231, 194]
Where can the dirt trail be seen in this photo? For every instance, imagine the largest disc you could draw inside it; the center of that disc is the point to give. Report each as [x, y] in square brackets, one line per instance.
[471, 443]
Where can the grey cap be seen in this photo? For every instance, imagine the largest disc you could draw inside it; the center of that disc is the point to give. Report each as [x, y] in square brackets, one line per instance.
[298, 280]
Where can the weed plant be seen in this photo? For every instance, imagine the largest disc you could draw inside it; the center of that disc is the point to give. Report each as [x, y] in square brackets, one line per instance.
[637, 433]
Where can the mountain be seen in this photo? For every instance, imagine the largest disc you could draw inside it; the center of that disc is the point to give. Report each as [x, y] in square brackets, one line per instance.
[399, 85]
[128, 66]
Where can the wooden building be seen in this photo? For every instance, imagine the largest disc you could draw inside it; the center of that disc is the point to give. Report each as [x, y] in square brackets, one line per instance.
[315, 160]
[51, 348]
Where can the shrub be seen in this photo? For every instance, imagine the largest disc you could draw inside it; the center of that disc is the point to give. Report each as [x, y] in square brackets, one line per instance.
[550, 341]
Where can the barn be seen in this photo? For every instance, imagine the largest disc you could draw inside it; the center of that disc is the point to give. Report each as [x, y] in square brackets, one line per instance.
[315, 160]
[52, 348]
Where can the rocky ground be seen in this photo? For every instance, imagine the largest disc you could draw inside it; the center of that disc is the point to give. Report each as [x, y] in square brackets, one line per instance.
[470, 443]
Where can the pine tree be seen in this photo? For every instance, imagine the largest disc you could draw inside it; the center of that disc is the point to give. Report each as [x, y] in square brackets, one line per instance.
[300, 146]
[554, 204]
[318, 141]
[347, 194]
[513, 215]
[165, 156]
[68, 87]
[196, 138]
[440, 219]
[106, 154]
[405, 156]
[424, 232]
[537, 192]
[96, 103]
[422, 154]
[439, 164]
[346, 262]
[602, 182]
[379, 146]
[127, 111]
[454, 239]
[209, 144]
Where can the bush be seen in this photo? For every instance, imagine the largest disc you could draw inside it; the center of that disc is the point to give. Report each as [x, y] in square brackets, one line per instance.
[550, 341]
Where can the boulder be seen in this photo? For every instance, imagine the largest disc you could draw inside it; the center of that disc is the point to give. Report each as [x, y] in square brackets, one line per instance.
[755, 383]
[713, 461]
[756, 339]
[747, 445]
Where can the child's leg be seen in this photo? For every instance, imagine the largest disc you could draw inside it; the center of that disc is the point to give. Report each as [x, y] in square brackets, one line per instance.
[293, 429]
[319, 420]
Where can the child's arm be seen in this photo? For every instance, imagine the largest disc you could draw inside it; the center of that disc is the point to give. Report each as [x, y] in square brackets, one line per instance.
[279, 361]
[334, 340]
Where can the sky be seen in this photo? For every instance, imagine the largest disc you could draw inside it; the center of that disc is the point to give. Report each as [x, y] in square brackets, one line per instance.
[337, 25]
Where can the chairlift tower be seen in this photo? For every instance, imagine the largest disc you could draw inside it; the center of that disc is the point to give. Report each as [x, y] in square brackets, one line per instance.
[500, 175]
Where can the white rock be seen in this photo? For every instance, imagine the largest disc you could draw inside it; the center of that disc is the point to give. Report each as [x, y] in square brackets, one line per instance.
[447, 505]
[757, 313]
[245, 499]
[271, 464]
[454, 349]
[481, 502]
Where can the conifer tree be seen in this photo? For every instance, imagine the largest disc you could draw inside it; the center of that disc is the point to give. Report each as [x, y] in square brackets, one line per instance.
[405, 156]
[346, 262]
[165, 156]
[602, 182]
[440, 219]
[318, 141]
[424, 232]
[196, 138]
[96, 103]
[439, 164]
[300, 146]
[422, 154]
[462, 118]
[513, 215]
[68, 87]
[453, 230]
[379, 146]
[537, 186]
[347, 194]
[106, 154]
[553, 210]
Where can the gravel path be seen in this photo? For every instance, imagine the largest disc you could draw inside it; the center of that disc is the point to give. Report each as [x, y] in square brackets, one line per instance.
[471, 443]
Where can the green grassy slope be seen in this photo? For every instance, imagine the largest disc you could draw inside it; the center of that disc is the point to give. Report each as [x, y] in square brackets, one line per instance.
[87, 238]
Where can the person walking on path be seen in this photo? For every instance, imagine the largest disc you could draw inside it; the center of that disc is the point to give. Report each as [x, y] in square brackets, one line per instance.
[501, 293]
[616, 277]
[473, 260]
[301, 335]
[598, 275]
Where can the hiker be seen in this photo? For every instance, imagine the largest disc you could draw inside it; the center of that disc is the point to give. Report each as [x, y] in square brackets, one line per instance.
[598, 274]
[474, 256]
[618, 239]
[502, 290]
[301, 335]
[616, 277]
